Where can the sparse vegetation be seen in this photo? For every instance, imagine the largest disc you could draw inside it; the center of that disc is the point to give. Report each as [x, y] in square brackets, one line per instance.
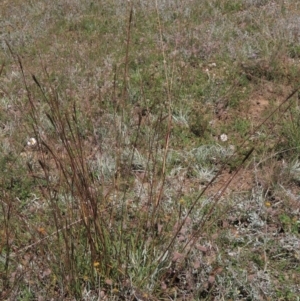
[149, 150]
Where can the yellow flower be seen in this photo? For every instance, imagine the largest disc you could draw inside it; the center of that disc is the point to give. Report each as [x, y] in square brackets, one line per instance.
[96, 264]
[181, 201]
[42, 230]
[267, 204]
[85, 278]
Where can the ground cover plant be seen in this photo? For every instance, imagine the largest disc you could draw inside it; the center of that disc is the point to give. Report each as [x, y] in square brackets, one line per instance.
[149, 150]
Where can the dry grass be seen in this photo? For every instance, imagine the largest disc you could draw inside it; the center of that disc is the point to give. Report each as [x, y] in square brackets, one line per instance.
[149, 150]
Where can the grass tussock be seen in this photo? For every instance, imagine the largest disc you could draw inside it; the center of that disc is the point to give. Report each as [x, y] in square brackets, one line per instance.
[149, 150]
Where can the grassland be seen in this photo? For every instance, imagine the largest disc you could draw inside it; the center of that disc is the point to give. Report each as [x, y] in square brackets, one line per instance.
[149, 150]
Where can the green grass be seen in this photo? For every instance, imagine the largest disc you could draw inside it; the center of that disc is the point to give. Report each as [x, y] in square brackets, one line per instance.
[130, 191]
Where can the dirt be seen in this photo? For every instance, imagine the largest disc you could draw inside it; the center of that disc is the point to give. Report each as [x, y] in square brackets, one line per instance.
[261, 103]
[231, 182]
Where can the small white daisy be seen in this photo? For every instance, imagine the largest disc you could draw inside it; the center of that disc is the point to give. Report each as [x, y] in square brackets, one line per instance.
[223, 137]
[31, 142]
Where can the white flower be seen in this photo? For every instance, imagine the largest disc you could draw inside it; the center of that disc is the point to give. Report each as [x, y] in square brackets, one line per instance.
[31, 142]
[224, 137]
